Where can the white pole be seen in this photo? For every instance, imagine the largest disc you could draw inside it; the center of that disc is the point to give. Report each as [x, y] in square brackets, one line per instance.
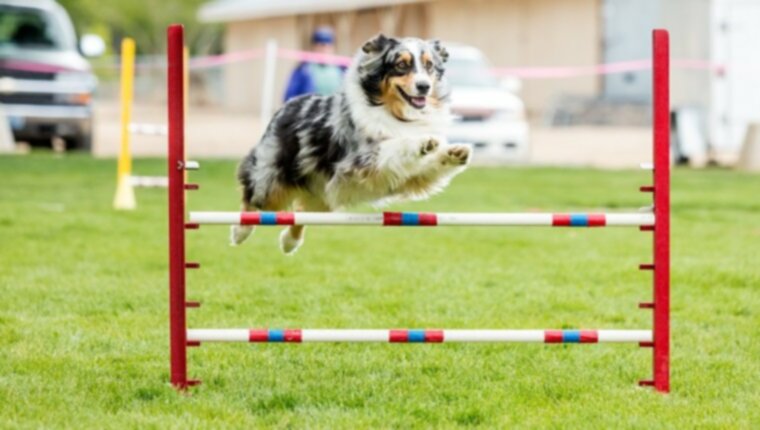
[149, 181]
[211, 335]
[148, 129]
[267, 89]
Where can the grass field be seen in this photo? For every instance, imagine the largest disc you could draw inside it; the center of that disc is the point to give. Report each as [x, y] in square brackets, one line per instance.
[83, 315]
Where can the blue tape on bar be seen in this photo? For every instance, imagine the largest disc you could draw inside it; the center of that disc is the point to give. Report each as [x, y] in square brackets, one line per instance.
[276, 336]
[416, 335]
[571, 336]
[410, 218]
[268, 218]
[579, 220]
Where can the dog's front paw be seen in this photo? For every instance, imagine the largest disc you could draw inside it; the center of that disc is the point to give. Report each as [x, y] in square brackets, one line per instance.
[457, 155]
[428, 145]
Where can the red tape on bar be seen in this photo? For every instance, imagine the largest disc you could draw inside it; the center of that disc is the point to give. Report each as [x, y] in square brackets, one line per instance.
[293, 336]
[561, 220]
[391, 218]
[597, 220]
[250, 218]
[258, 335]
[428, 219]
[434, 336]
[285, 218]
[398, 336]
[589, 336]
[552, 336]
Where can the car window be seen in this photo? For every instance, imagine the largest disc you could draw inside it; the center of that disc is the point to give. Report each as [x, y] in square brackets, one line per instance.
[28, 28]
[469, 73]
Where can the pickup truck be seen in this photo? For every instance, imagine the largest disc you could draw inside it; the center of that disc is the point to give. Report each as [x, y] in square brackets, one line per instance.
[46, 84]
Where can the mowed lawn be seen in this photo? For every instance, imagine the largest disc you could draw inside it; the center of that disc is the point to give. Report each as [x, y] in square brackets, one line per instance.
[84, 325]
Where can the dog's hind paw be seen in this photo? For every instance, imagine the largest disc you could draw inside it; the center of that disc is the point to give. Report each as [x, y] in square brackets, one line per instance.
[238, 234]
[288, 244]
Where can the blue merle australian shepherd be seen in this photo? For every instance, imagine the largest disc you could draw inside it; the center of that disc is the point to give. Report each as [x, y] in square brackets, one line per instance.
[379, 140]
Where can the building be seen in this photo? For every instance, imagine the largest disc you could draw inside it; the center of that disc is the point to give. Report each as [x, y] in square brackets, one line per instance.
[713, 41]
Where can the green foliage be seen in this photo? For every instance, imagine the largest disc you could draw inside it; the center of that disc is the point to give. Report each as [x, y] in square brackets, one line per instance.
[145, 21]
[83, 315]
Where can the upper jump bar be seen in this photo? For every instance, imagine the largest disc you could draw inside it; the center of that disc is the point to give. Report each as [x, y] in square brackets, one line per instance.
[424, 219]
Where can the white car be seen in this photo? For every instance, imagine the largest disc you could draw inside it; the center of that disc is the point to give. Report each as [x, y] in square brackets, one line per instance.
[488, 114]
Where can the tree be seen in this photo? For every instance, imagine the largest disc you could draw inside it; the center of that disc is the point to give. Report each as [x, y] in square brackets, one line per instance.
[145, 21]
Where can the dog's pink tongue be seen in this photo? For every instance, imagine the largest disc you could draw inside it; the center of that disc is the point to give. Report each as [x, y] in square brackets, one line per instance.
[418, 101]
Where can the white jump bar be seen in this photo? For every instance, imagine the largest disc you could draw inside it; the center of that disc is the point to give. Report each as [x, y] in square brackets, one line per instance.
[149, 181]
[411, 219]
[422, 336]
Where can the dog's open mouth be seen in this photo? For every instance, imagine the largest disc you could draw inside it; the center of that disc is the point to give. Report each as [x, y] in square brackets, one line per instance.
[416, 102]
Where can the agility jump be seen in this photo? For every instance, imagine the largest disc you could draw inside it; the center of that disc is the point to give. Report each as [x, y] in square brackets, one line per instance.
[654, 221]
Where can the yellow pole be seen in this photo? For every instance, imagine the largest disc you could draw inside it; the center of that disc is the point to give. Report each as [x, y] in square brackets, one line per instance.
[125, 194]
[186, 94]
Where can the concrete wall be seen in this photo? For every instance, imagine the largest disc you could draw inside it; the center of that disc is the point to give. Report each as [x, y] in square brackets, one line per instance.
[626, 30]
[689, 24]
[528, 33]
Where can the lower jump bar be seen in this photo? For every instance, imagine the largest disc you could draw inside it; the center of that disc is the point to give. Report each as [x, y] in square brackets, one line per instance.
[424, 219]
[417, 336]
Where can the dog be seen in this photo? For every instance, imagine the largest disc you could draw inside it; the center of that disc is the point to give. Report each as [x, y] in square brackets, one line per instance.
[377, 141]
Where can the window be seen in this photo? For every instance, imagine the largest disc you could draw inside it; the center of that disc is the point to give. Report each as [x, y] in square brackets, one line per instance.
[28, 28]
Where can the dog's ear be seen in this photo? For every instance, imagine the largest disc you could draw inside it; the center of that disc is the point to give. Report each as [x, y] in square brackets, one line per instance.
[377, 44]
[439, 49]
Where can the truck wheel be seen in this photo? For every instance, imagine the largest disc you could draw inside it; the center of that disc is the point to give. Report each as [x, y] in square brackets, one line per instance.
[82, 142]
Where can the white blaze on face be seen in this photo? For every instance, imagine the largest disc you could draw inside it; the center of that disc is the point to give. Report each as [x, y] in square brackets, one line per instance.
[420, 76]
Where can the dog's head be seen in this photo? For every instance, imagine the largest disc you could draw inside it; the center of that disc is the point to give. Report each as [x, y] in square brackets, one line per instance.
[406, 76]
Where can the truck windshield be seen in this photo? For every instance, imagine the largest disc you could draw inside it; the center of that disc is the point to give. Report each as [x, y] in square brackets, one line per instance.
[28, 28]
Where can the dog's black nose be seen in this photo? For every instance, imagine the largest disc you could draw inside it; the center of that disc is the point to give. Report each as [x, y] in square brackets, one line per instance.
[423, 88]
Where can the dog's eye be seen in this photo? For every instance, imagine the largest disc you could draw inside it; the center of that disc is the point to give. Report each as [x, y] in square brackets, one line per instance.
[403, 66]
[429, 66]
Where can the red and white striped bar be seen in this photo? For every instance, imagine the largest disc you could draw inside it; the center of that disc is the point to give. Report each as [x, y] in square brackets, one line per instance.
[424, 219]
[417, 336]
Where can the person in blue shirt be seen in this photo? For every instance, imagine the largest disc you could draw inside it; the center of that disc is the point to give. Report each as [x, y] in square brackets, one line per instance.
[315, 78]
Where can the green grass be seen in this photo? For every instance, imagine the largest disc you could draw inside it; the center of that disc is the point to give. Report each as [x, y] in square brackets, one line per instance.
[83, 312]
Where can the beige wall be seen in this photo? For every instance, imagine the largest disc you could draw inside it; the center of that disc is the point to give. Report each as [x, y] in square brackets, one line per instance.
[243, 81]
[528, 33]
[510, 32]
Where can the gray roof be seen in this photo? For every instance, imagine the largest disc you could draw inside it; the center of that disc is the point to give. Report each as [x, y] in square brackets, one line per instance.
[240, 10]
